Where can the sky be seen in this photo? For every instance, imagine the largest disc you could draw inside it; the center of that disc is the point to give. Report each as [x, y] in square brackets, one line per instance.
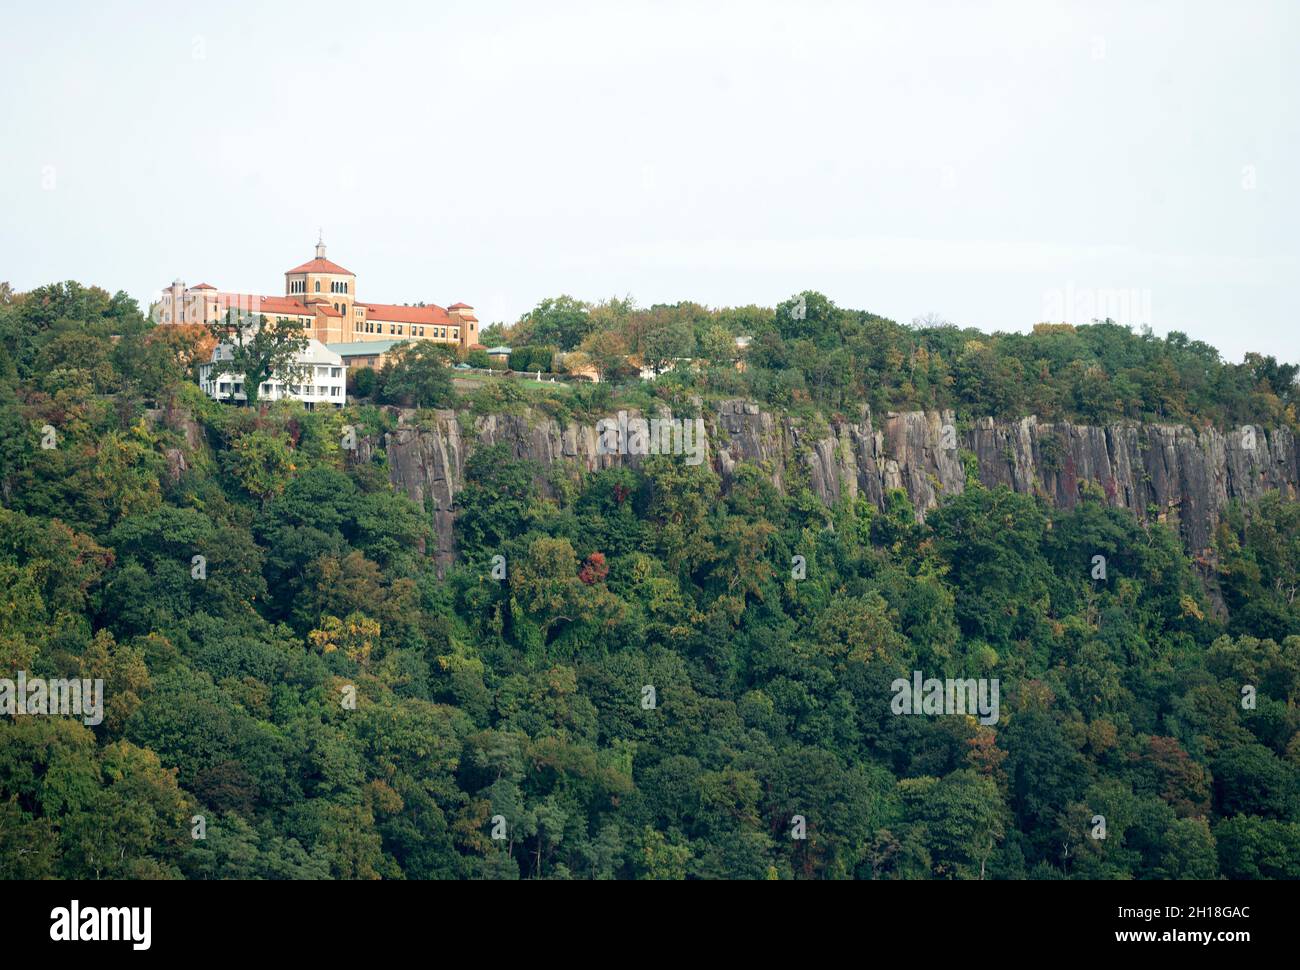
[990, 164]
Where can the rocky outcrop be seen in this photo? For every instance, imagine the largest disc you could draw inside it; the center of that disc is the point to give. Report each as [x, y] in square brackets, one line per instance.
[179, 420]
[428, 464]
[1172, 472]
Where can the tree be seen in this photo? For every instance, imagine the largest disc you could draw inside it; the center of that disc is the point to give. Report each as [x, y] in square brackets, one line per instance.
[718, 346]
[560, 320]
[547, 583]
[1250, 780]
[964, 819]
[1255, 848]
[257, 350]
[363, 381]
[417, 375]
[355, 636]
[261, 461]
[607, 351]
[148, 364]
[670, 338]
[811, 316]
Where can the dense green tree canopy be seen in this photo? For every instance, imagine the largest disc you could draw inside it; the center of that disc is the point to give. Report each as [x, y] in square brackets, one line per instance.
[621, 675]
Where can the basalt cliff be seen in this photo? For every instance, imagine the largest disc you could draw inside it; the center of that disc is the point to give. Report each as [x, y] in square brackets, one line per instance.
[1171, 472]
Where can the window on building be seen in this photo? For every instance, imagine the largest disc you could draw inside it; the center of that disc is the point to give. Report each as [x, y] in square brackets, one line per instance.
[318, 286]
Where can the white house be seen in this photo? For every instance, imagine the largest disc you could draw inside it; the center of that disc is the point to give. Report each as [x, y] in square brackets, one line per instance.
[318, 376]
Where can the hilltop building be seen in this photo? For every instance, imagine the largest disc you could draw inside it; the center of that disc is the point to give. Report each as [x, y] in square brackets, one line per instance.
[367, 353]
[318, 376]
[321, 297]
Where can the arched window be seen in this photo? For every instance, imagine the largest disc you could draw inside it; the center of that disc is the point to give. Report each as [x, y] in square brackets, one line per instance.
[318, 286]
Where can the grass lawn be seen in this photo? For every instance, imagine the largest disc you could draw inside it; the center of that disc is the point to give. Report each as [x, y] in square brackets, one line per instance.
[465, 382]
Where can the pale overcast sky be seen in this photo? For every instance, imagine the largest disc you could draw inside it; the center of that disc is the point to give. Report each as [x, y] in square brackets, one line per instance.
[993, 163]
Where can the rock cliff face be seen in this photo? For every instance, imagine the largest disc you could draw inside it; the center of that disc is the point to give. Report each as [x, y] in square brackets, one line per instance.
[1172, 472]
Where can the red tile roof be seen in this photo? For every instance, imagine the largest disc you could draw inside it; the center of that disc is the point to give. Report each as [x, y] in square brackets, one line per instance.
[326, 310]
[203, 286]
[249, 303]
[460, 306]
[319, 266]
[281, 304]
[388, 312]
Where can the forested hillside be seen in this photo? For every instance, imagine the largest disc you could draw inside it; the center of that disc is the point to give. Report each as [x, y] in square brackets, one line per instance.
[643, 671]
